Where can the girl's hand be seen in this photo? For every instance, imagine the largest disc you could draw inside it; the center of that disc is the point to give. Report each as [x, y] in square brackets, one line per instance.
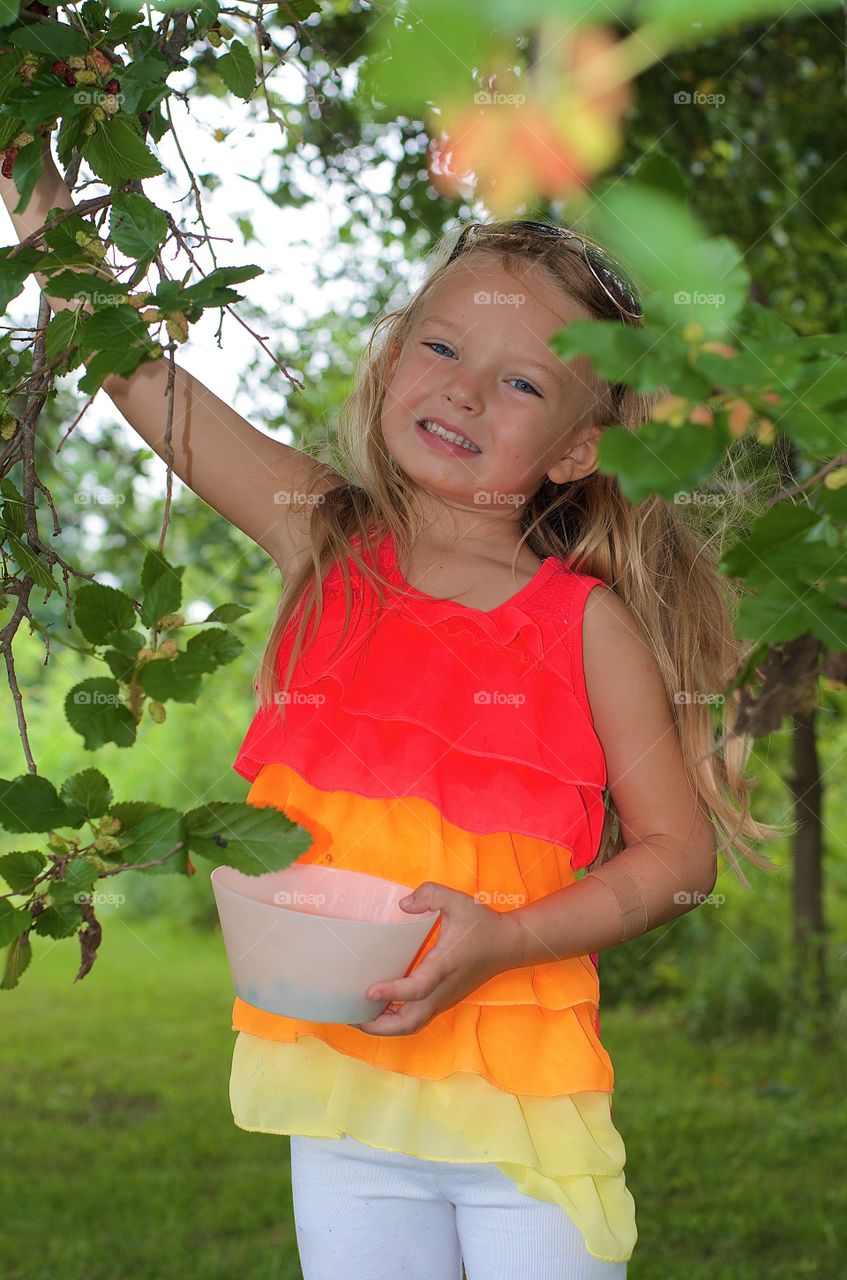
[474, 945]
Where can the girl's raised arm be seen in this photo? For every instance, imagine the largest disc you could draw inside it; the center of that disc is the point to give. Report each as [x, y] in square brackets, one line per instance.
[264, 487]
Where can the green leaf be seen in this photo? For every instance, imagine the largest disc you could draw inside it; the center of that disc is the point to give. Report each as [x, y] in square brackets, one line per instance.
[215, 647]
[152, 837]
[688, 19]
[137, 227]
[76, 884]
[116, 357]
[30, 803]
[779, 614]
[662, 171]
[162, 585]
[86, 284]
[58, 922]
[120, 664]
[114, 329]
[117, 152]
[18, 958]
[13, 921]
[9, 10]
[664, 247]
[238, 70]
[63, 330]
[99, 610]
[120, 339]
[659, 459]
[29, 166]
[56, 39]
[647, 358]
[214, 290]
[29, 563]
[21, 868]
[128, 642]
[93, 708]
[425, 54]
[240, 835]
[143, 83]
[767, 534]
[178, 679]
[227, 613]
[14, 271]
[13, 507]
[89, 790]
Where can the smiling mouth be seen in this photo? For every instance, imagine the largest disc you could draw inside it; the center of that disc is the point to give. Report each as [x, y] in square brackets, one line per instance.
[452, 438]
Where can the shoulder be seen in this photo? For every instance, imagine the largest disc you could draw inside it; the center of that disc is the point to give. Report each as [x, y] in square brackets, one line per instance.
[621, 670]
[608, 623]
[633, 718]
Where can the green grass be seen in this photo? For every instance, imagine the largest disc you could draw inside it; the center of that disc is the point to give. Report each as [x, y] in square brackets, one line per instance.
[121, 1159]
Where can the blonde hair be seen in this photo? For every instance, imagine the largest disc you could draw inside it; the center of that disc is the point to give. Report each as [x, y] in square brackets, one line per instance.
[657, 563]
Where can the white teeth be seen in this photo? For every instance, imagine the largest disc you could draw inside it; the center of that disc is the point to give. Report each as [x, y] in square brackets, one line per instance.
[436, 430]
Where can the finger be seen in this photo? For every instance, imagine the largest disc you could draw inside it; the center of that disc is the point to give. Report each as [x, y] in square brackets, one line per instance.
[417, 986]
[392, 1021]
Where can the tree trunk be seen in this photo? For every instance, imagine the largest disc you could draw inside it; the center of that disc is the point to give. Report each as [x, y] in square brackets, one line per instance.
[810, 975]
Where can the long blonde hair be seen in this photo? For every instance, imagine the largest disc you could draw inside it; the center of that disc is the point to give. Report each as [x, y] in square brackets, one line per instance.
[657, 563]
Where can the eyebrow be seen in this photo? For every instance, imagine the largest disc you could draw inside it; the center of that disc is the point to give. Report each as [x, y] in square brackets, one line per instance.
[523, 359]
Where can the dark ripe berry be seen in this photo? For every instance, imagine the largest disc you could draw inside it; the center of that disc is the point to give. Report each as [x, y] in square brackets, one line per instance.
[9, 161]
[59, 68]
[112, 86]
[38, 7]
[70, 77]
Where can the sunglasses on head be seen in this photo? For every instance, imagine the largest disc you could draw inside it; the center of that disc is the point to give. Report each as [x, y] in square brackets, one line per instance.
[609, 279]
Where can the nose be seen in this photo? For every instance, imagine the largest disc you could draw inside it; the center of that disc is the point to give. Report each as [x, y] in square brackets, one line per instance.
[465, 390]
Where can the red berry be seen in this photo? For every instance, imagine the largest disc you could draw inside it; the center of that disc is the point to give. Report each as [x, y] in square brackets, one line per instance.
[9, 161]
[112, 86]
[59, 68]
[70, 77]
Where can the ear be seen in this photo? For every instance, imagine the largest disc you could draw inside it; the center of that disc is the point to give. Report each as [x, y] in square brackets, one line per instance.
[579, 461]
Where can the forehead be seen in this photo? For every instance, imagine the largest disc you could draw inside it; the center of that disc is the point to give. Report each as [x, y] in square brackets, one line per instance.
[479, 291]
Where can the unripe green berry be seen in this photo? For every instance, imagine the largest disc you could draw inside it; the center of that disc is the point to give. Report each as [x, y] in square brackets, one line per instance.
[170, 621]
[107, 844]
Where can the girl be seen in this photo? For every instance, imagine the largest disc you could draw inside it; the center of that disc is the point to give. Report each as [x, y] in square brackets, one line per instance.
[446, 701]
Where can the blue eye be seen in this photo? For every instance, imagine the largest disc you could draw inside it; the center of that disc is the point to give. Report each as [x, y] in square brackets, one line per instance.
[526, 384]
[523, 380]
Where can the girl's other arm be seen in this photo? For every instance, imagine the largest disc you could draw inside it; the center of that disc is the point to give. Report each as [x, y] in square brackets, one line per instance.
[259, 484]
[668, 864]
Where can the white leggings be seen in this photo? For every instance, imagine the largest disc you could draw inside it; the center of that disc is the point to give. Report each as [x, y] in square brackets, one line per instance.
[362, 1214]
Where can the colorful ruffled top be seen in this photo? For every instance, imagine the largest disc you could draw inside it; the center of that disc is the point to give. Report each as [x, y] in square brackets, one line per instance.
[456, 745]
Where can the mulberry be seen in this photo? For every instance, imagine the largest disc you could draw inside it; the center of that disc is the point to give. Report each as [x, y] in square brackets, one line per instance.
[9, 161]
[112, 86]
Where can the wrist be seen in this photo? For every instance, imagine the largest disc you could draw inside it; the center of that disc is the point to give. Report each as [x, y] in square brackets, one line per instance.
[517, 939]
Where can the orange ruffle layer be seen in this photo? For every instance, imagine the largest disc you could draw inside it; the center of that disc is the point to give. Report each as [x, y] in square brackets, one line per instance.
[532, 1030]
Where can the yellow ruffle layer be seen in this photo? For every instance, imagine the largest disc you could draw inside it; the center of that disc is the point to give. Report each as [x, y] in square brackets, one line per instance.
[564, 1150]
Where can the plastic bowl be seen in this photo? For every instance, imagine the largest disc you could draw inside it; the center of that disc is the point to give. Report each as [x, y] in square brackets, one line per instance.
[307, 942]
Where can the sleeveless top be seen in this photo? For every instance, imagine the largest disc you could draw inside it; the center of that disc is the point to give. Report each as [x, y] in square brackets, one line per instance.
[455, 745]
